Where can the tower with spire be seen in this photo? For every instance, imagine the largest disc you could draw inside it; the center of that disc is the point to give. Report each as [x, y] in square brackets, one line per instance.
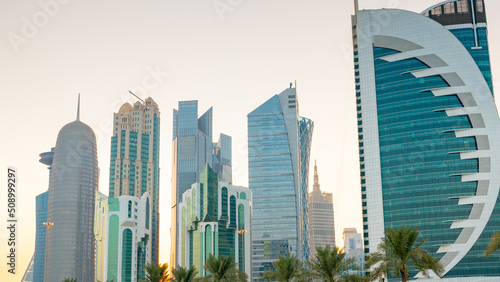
[70, 242]
[321, 220]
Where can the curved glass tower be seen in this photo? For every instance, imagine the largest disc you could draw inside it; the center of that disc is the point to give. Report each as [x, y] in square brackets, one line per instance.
[429, 132]
[70, 243]
[278, 155]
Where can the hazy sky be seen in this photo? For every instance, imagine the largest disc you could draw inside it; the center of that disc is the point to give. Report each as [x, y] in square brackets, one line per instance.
[232, 58]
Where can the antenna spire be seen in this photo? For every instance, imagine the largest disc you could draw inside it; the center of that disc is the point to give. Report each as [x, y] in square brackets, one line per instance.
[137, 97]
[356, 10]
[78, 109]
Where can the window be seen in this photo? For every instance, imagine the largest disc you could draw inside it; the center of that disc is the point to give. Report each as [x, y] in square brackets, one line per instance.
[437, 11]
[449, 8]
[479, 6]
[462, 6]
[129, 209]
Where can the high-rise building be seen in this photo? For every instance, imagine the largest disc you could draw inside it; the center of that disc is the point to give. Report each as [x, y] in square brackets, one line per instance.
[70, 243]
[321, 220]
[221, 160]
[134, 168]
[429, 132]
[353, 248]
[214, 218]
[123, 228]
[278, 152]
[192, 150]
[42, 202]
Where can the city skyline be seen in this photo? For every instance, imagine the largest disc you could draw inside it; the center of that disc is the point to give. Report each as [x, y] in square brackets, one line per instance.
[57, 69]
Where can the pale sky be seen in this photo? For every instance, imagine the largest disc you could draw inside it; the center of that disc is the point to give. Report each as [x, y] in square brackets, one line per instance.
[175, 50]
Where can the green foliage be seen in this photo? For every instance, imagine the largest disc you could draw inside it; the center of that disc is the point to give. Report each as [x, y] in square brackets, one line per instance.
[493, 246]
[399, 251]
[69, 280]
[183, 274]
[331, 266]
[223, 269]
[157, 273]
[287, 268]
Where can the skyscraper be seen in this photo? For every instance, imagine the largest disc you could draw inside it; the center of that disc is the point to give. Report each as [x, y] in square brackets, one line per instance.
[278, 146]
[429, 132]
[321, 221]
[70, 246]
[134, 168]
[221, 160]
[353, 248]
[123, 230]
[192, 149]
[42, 202]
[214, 218]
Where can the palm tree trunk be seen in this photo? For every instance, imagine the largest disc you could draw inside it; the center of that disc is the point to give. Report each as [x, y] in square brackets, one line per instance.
[403, 276]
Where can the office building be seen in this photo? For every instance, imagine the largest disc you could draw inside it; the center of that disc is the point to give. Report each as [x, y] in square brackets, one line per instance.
[276, 156]
[70, 245]
[214, 218]
[353, 248]
[36, 266]
[321, 221]
[192, 150]
[429, 132]
[134, 167]
[123, 229]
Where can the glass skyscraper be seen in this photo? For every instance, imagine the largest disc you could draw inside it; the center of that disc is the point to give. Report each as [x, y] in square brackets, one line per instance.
[42, 202]
[278, 155]
[192, 150]
[134, 167]
[214, 219]
[429, 132]
[70, 243]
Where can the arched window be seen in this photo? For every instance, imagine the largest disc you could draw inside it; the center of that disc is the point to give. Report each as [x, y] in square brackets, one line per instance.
[232, 212]
[127, 255]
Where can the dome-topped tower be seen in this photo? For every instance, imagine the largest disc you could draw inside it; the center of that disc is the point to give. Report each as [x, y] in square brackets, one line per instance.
[70, 250]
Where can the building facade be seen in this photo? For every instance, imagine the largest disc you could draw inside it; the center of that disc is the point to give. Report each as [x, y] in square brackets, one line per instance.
[134, 167]
[42, 202]
[429, 132]
[278, 152]
[123, 228]
[70, 242]
[353, 248]
[214, 219]
[321, 220]
[192, 150]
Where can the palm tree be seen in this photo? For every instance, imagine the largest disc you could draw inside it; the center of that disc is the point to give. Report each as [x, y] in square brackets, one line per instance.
[69, 280]
[183, 274]
[223, 269]
[494, 245]
[331, 265]
[399, 251]
[288, 268]
[157, 273]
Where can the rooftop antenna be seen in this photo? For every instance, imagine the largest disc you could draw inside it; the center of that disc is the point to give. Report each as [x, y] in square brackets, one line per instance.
[356, 10]
[137, 97]
[78, 109]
